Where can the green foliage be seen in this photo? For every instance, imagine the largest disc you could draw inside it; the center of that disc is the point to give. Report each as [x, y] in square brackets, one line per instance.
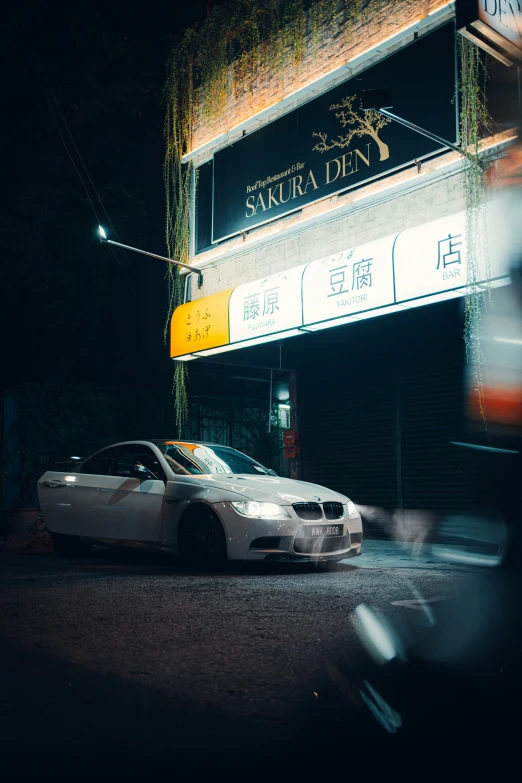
[179, 390]
[212, 63]
[475, 122]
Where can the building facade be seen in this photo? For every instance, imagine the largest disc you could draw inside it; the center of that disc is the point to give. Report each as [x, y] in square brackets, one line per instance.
[334, 249]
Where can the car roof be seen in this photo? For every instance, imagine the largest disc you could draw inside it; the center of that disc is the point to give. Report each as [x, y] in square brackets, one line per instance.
[174, 441]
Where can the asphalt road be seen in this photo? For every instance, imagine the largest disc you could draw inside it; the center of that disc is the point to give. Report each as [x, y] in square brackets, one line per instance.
[127, 660]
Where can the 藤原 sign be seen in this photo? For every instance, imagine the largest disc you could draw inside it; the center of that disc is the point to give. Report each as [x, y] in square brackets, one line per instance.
[266, 306]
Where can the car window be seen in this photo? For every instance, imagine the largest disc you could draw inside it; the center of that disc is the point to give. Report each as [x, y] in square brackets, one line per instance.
[182, 462]
[100, 464]
[132, 455]
[199, 458]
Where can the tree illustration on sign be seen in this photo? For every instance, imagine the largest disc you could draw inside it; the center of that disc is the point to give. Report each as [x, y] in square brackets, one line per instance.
[363, 123]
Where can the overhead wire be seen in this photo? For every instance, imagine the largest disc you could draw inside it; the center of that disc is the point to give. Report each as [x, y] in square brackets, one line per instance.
[46, 90]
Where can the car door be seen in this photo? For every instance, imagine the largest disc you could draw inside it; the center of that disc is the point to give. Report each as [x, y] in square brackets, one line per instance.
[91, 487]
[132, 495]
[68, 499]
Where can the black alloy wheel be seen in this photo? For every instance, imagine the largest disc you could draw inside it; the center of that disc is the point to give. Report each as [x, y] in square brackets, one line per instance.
[201, 538]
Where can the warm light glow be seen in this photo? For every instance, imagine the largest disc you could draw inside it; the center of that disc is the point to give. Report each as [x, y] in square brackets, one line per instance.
[101, 232]
[71, 478]
[250, 343]
[306, 87]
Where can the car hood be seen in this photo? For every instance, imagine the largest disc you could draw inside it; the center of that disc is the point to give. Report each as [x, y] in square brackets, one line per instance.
[272, 489]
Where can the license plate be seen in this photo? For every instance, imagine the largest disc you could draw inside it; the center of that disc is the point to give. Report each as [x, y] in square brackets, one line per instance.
[322, 531]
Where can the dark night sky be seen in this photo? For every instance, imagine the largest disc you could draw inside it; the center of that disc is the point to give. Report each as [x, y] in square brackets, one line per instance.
[72, 312]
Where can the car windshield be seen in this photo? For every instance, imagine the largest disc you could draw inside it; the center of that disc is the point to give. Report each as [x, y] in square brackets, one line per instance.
[198, 459]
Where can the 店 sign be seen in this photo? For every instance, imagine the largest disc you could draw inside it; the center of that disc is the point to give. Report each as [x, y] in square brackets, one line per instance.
[413, 267]
[330, 144]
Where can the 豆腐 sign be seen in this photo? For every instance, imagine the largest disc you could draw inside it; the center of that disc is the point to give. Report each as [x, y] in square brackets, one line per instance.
[360, 278]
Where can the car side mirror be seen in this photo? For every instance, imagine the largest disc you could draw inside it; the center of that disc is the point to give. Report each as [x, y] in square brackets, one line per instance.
[140, 472]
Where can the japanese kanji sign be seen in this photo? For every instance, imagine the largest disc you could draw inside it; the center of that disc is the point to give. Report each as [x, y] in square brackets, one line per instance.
[354, 280]
[199, 325]
[431, 258]
[417, 266]
[271, 304]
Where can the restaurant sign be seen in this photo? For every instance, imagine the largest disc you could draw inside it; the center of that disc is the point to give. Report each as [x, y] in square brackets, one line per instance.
[415, 267]
[330, 144]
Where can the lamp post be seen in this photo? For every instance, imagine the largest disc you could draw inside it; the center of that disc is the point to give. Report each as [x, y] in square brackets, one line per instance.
[103, 237]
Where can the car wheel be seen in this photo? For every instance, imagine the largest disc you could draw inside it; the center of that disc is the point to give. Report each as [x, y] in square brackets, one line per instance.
[201, 539]
[68, 546]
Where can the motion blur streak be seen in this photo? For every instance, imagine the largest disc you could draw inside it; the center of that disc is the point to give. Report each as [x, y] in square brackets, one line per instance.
[377, 635]
[410, 528]
[381, 710]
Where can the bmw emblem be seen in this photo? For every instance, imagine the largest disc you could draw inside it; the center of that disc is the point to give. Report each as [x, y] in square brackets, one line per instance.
[316, 497]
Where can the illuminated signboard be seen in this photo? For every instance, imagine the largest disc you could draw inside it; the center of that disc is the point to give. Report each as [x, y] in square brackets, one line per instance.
[418, 266]
[272, 304]
[329, 144]
[360, 278]
[200, 325]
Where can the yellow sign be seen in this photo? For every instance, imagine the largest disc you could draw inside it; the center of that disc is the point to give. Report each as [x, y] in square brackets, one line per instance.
[199, 325]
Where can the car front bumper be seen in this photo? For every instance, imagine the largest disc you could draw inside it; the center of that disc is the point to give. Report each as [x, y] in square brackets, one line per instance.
[284, 539]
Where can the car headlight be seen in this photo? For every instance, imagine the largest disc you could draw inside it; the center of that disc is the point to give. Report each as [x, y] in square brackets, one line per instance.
[252, 508]
[352, 511]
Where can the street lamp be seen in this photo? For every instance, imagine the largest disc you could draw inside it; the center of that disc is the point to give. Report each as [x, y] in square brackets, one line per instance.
[103, 237]
[381, 101]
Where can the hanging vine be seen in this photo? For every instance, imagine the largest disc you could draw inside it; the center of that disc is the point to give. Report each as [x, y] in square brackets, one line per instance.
[213, 63]
[210, 64]
[475, 123]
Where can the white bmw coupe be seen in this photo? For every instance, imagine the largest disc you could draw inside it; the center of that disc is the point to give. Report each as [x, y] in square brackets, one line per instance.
[205, 502]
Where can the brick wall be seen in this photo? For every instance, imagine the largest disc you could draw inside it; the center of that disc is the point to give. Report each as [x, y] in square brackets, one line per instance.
[402, 200]
[333, 50]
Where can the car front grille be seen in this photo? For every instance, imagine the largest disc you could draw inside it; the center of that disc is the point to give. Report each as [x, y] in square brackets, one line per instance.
[308, 510]
[313, 511]
[333, 510]
[320, 546]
